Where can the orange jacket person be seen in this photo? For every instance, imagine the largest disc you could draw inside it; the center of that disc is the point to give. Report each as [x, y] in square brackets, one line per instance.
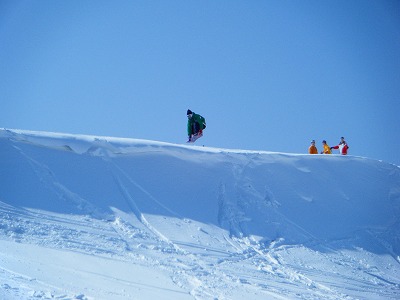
[312, 149]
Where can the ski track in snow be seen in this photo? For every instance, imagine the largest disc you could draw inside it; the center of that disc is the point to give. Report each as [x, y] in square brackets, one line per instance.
[206, 262]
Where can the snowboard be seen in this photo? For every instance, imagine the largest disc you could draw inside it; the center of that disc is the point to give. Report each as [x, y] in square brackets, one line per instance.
[195, 137]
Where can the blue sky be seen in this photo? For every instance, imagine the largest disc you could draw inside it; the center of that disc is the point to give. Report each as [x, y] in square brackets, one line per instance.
[266, 75]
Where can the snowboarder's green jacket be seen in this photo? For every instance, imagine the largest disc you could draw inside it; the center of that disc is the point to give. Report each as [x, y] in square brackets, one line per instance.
[195, 118]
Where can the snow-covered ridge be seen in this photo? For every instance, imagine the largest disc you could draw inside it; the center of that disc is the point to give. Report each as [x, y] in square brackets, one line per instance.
[208, 223]
[80, 143]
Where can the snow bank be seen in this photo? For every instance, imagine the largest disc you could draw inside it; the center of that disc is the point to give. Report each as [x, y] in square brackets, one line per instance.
[214, 223]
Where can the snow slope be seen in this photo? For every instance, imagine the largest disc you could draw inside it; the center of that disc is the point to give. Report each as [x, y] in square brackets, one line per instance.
[84, 217]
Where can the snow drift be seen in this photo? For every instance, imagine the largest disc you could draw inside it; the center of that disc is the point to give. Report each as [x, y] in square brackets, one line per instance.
[115, 218]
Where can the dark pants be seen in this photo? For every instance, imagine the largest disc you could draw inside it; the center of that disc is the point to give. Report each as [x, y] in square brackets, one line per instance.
[196, 127]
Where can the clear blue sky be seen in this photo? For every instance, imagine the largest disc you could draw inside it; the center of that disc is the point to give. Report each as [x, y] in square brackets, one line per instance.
[266, 75]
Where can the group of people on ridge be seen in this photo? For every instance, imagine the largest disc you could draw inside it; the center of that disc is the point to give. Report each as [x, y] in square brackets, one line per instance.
[342, 146]
[196, 123]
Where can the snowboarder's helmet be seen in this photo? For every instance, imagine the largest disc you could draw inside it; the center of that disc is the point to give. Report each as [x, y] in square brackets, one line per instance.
[189, 112]
[323, 142]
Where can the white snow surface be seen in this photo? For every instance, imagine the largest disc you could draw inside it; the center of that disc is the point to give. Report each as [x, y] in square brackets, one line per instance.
[88, 217]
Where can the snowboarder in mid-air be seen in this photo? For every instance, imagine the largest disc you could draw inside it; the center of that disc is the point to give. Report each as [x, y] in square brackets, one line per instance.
[195, 126]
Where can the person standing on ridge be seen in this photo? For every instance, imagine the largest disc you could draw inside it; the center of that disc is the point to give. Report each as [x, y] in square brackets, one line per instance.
[195, 125]
[312, 149]
[342, 146]
[327, 149]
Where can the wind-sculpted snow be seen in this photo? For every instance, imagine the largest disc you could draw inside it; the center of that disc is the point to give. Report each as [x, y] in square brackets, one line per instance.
[85, 217]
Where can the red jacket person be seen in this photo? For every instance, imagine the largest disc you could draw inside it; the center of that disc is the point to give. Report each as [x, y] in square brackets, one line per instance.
[343, 147]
